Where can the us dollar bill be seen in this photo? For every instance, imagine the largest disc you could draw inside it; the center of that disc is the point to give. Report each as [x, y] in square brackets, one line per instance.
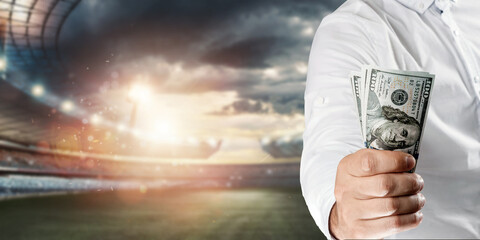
[394, 109]
[355, 80]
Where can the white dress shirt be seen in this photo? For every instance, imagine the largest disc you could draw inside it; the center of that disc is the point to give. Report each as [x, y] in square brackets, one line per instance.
[441, 37]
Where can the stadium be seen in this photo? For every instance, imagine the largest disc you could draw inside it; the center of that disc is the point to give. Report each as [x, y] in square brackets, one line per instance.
[94, 146]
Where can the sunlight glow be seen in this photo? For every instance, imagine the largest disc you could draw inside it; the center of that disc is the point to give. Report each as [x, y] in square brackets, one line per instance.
[95, 119]
[139, 93]
[121, 127]
[164, 129]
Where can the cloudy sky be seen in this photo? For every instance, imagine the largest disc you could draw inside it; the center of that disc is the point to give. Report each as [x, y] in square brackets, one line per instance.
[231, 70]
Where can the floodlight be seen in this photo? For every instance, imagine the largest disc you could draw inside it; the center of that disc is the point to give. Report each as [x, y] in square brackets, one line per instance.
[3, 64]
[67, 106]
[38, 90]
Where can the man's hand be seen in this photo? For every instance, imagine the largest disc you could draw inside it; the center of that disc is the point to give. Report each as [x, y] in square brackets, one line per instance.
[375, 198]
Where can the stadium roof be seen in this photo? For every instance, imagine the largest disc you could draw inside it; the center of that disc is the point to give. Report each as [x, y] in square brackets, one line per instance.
[31, 30]
[29, 36]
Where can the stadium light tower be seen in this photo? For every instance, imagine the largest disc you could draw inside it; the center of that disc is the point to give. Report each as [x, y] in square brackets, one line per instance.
[138, 93]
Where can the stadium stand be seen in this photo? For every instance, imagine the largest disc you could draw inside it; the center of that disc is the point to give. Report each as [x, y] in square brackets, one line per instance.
[42, 140]
[16, 159]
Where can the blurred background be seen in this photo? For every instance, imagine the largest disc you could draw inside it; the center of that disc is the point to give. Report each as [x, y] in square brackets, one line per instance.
[124, 119]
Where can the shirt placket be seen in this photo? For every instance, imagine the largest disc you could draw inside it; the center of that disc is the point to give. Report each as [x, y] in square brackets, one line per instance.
[464, 50]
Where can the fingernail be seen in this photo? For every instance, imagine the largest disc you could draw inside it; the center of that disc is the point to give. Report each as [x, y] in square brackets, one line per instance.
[410, 161]
[422, 200]
[420, 216]
[420, 180]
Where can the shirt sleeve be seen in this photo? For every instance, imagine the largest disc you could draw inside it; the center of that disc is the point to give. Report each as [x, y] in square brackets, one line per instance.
[332, 126]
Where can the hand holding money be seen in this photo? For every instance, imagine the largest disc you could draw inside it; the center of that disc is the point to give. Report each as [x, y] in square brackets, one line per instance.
[375, 197]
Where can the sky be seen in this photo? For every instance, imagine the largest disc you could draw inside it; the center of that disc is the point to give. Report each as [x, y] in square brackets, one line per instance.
[230, 70]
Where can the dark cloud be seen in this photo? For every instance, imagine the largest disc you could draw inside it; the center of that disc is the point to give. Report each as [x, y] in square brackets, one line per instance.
[184, 30]
[101, 37]
[243, 106]
[246, 53]
[287, 105]
[285, 98]
[283, 147]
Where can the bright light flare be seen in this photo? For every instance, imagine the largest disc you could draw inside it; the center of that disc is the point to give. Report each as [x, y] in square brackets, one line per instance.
[3, 64]
[95, 119]
[121, 127]
[67, 106]
[38, 90]
[139, 93]
[164, 129]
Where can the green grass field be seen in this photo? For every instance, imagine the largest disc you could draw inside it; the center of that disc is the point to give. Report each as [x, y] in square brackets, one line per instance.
[229, 214]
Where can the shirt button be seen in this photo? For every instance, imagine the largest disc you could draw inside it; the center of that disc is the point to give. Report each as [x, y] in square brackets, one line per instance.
[319, 101]
[476, 79]
[421, 5]
[456, 33]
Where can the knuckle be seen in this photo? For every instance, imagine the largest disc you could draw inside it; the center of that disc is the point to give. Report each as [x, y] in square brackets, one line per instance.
[395, 223]
[400, 161]
[414, 219]
[368, 162]
[386, 185]
[392, 205]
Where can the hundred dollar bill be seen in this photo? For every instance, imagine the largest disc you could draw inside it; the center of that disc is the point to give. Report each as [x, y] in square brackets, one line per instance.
[394, 109]
[355, 80]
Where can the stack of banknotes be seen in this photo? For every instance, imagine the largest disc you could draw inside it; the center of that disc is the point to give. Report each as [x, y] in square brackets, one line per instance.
[392, 107]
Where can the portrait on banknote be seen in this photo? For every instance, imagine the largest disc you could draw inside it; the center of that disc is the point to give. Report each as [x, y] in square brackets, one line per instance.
[390, 128]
